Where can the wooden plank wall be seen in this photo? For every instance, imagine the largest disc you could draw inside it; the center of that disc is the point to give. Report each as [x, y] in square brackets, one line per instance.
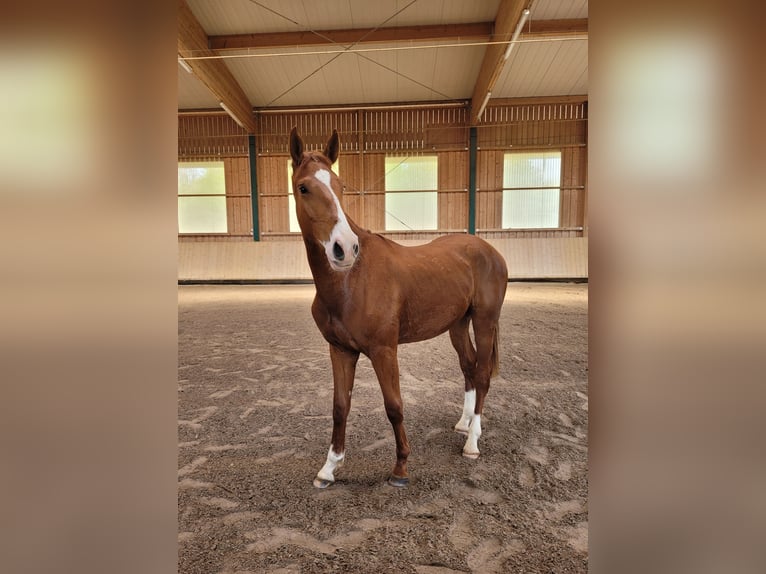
[363, 195]
[573, 161]
[212, 135]
[367, 135]
[453, 191]
[272, 194]
[314, 127]
[374, 214]
[489, 184]
[532, 125]
[489, 195]
[237, 261]
[239, 210]
[541, 258]
[216, 137]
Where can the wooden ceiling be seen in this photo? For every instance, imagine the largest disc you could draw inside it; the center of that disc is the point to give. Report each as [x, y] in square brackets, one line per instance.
[256, 54]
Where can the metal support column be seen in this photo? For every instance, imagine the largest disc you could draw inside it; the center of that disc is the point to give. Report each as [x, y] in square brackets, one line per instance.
[472, 182]
[253, 186]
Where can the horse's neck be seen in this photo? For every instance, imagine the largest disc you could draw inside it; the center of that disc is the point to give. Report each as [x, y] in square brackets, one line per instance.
[320, 268]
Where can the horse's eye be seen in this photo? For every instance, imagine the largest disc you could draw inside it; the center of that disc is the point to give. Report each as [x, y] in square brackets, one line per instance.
[302, 188]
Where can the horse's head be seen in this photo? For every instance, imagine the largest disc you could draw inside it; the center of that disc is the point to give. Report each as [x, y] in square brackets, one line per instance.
[316, 190]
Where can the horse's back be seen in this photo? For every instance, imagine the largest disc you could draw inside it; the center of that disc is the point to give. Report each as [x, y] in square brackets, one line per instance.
[431, 286]
[479, 262]
[486, 262]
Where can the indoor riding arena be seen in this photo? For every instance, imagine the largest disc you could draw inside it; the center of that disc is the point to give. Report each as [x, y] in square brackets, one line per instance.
[464, 119]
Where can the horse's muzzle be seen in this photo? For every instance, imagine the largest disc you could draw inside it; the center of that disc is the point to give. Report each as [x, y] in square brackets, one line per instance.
[342, 251]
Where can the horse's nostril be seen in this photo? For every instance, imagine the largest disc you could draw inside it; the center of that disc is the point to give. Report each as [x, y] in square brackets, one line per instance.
[337, 250]
[356, 249]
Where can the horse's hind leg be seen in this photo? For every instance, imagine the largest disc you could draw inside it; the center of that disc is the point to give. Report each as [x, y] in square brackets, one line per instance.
[485, 333]
[343, 370]
[461, 340]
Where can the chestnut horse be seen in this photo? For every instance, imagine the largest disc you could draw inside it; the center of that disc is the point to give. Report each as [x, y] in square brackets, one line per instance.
[373, 294]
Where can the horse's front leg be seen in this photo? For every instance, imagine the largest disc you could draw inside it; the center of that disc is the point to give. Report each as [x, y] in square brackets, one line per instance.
[343, 369]
[386, 367]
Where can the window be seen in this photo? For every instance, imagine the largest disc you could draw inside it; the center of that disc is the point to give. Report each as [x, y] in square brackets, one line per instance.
[294, 227]
[411, 199]
[531, 190]
[201, 197]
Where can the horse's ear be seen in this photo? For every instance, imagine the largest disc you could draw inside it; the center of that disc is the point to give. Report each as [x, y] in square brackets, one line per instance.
[296, 147]
[333, 147]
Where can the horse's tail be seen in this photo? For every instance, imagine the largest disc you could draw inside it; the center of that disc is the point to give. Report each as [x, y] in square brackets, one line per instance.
[495, 353]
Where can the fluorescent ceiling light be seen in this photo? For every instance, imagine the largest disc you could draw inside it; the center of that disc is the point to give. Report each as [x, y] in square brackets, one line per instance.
[516, 32]
[235, 118]
[483, 105]
[184, 64]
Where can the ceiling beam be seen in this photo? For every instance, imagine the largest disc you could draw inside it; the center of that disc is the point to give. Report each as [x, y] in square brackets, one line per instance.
[193, 41]
[508, 15]
[471, 31]
[477, 30]
[535, 100]
[571, 28]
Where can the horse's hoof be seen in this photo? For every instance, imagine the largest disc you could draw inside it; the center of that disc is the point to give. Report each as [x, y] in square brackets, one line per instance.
[398, 481]
[322, 483]
[461, 430]
[471, 455]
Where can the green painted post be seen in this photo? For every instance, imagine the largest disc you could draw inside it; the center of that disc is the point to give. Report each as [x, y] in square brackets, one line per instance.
[472, 182]
[254, 187]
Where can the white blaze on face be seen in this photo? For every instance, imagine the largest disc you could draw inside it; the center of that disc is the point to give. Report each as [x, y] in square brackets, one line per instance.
[341, 233]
